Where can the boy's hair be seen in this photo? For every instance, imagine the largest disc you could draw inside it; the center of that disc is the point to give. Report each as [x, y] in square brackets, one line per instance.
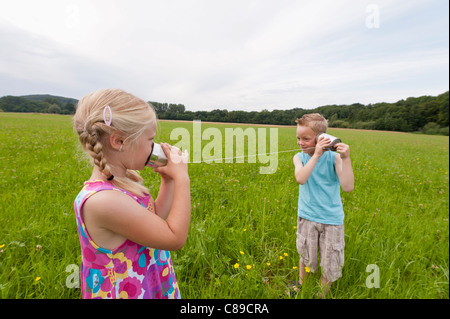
[315, 121]
[131, 116]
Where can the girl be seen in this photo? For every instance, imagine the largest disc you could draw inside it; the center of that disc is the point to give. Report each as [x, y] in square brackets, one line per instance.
[117, 219]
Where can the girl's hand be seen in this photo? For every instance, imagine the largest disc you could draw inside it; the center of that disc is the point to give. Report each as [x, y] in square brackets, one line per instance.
[343, 150]
[176, 167]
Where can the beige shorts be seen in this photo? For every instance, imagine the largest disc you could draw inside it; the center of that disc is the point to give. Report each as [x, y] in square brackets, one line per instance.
[328, 240]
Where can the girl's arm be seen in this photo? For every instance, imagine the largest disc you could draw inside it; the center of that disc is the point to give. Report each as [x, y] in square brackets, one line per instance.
[344, 168]
[163, 202]
[119, 214]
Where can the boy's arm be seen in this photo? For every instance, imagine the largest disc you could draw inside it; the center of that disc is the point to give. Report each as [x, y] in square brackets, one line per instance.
[302, 173]
[344, 168]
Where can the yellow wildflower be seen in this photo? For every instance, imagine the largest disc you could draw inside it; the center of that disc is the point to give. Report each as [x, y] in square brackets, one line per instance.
[307, 269]
[268, 264]
[1, 246]
[37, 279]
[236, 265]
[285, 254]
[248, 267]
[241, 252]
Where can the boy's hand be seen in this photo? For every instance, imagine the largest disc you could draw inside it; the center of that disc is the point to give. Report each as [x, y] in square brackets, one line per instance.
[322, 145]
[343, 150]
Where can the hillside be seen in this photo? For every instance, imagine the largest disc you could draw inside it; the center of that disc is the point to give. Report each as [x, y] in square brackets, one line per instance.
[41, 103]
[41, 97]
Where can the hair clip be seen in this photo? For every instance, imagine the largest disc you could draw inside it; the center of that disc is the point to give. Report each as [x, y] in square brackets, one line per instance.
[107, 122]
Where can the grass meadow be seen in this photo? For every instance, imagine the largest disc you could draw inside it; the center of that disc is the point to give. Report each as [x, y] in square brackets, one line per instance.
[241, 242]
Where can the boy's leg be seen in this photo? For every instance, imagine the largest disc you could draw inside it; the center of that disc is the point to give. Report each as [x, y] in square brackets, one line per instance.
[302, 274]
[332, 246]
[307, 245]
[326, 285]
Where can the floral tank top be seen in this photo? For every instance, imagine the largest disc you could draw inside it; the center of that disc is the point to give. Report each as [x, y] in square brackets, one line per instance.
[129, 271]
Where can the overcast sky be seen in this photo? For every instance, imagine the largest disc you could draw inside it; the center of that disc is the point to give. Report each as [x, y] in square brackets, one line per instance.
[235, 55]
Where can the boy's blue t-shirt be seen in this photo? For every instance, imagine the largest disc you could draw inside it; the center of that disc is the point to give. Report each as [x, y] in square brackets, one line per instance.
[319, 199]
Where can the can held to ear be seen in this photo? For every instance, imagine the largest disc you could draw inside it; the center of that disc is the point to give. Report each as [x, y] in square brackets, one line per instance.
[157, 157]
[333, 140]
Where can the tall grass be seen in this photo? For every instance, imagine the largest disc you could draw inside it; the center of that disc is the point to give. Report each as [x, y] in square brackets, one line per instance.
[241, 242]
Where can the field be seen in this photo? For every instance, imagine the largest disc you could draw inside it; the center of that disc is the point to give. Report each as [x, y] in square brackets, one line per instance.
[241, 242]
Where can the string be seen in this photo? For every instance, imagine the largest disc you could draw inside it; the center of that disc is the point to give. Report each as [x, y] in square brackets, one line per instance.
[244, 156]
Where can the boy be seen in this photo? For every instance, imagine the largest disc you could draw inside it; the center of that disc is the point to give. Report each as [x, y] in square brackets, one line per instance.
[320, 173]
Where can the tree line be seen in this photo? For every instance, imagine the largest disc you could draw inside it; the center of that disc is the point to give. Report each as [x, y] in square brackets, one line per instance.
[427, 114]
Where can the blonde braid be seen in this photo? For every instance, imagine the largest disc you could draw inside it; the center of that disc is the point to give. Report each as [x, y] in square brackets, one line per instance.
[95, 149]
[89, 138]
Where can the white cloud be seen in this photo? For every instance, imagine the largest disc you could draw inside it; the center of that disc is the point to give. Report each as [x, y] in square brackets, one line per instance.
[226, 54]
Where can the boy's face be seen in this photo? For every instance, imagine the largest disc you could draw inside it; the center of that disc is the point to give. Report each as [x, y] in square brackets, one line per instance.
[306, 139]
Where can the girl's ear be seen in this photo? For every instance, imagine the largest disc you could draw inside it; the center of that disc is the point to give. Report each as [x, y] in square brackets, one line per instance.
[116, 141]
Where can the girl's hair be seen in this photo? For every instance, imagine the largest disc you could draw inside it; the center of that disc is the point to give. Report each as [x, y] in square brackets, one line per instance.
[131, 116]
[315, 121]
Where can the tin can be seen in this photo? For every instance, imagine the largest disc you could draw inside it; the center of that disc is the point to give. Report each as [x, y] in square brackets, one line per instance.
[157, 157]
[333, 140]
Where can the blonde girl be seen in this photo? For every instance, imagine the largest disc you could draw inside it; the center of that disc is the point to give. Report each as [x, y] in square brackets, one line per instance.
[125, 235]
